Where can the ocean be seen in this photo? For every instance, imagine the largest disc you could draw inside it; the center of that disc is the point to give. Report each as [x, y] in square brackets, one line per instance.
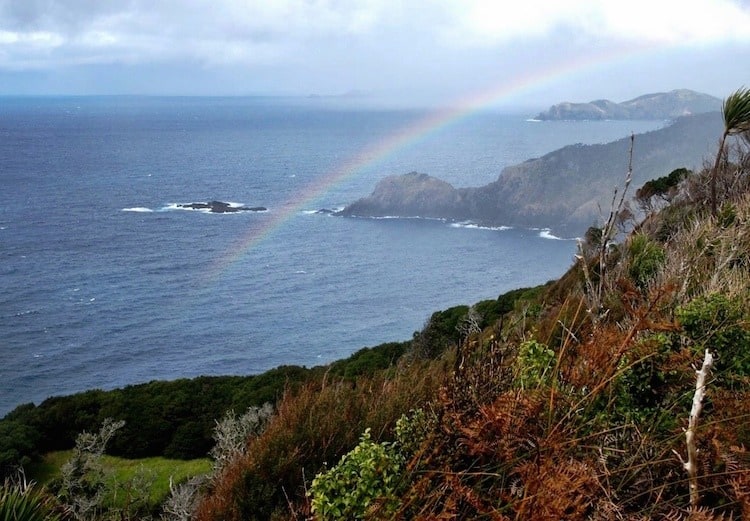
[107, 281]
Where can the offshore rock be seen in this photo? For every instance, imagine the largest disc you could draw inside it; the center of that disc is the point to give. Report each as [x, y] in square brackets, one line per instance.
[221, 207]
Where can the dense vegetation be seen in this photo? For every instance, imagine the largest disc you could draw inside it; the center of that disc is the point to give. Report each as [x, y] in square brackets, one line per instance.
[620, 391]
[176, 419]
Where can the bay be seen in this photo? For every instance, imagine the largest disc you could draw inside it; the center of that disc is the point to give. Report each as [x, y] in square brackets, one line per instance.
[105, 282]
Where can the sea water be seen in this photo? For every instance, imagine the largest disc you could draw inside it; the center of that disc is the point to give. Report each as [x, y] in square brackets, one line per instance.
[107, 281]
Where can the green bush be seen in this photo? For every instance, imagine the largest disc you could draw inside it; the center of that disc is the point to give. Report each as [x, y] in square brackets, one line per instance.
[370, 359]
[17, 445]
[646, 257]
[718, 323]
[367, 477]
[411, 430]
[535, 362]
[641, 389]
[440, 333]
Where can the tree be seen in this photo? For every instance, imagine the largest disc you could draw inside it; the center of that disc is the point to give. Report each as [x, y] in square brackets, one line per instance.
[83, 480]
[663, 188]
[736, 113]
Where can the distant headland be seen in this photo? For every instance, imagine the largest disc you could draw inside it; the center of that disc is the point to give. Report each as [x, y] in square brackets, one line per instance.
[659, 105]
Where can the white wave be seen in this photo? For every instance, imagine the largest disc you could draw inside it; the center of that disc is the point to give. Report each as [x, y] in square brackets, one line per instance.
[300, 272]
[411, 217]
[139, 209]
[181, 207]
[532, 120]
[474, 226]
[546, 233]
[310, 212]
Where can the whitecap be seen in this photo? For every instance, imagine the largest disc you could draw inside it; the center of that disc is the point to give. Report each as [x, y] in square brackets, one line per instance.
[180, 206]
[402, 217]
[27, 312]
[473, 226]
[533, 120]
[300, 272]
[139, 209]
[546, 233]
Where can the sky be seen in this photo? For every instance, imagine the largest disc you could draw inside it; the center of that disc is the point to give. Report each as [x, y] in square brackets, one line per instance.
[422, 52]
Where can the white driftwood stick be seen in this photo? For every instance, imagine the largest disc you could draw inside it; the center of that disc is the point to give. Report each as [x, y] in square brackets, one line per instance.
[691, 465]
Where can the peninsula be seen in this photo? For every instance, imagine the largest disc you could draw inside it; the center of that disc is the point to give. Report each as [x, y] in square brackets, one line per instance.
[547, 191]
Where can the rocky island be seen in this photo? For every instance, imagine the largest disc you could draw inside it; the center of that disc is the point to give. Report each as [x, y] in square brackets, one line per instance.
[221, 207]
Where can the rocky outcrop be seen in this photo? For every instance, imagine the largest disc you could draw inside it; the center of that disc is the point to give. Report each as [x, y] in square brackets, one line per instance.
[660, 105]
[409, 195]
[563, 190]
[221, 207]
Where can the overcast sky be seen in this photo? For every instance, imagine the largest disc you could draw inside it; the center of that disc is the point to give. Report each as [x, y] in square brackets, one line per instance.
[511, 52]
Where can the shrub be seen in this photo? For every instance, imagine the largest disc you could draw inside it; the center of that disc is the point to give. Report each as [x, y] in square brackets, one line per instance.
[535, 361]
[84, 481]
[232, 433]
[642, 387]
[367, 477]
[646, 257]
[17, 445]
[717, 323]
[368, 360]
[439, 333]
[664, 188]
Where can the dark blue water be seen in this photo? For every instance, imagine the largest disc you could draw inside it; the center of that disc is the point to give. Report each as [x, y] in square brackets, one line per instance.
[98, 295]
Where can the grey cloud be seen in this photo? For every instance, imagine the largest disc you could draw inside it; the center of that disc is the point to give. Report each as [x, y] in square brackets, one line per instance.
[55, 15]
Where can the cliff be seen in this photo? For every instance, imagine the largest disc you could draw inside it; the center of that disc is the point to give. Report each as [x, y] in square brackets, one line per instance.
[546, 191]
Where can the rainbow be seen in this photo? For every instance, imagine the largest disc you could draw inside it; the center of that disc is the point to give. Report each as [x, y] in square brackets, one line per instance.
[408, 136]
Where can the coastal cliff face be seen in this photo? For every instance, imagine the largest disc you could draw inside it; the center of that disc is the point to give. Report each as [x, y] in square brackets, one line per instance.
[660, 105]
[563, 190]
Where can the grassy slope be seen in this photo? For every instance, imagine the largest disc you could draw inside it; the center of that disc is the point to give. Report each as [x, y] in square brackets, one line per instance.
[157, 470]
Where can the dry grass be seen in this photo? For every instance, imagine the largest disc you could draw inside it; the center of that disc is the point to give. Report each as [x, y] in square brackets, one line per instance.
[312, 429]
